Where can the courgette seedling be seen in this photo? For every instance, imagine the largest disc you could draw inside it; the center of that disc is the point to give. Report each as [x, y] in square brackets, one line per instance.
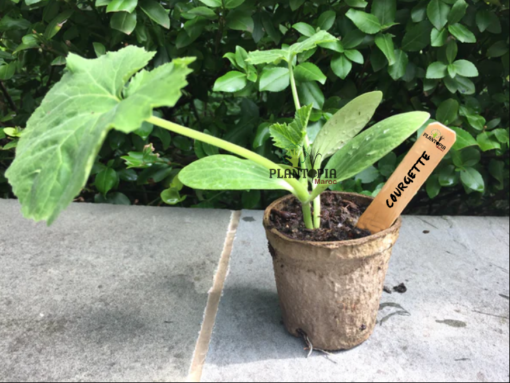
[56, 151]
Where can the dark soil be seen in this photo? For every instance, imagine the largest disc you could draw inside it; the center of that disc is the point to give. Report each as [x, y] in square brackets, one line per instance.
[338, 220]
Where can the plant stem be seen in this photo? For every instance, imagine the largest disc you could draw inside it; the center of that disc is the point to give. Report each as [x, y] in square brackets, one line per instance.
[316, 200]
[295, 186]
[293, 86]
[307, 213]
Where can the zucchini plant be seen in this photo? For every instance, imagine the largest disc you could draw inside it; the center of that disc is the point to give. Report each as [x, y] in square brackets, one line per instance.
[56, 151]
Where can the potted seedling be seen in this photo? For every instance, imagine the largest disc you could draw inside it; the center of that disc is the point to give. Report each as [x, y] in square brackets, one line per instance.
[329, 273]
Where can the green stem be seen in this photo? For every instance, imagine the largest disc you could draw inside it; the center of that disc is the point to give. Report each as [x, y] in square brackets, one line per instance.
[307, 213]
[298, 190]
[317, 212]
[293, 85]
[316, 200]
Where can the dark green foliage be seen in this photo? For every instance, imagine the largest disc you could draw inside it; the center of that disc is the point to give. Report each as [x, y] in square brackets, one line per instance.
[448, 57]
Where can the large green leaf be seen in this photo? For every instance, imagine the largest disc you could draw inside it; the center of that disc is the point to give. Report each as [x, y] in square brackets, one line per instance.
[385, 43]
[464, 139]
[437, 12]
[267, 57]
[274, 79]
[398, 70]
[124, 22]
[458, 12]
[417, 37]
[462, 33]
[373, 144]
[365, 22]
[57, 149]
[225, 172]
[312, 42]
[122, 5]
[472, 179]
[385, 10]
[233, 81]
[448, 111]
[346, 123]
[309, 72]
[156, 12]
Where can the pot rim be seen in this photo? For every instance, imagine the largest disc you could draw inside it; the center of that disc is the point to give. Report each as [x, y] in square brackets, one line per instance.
[351, 242]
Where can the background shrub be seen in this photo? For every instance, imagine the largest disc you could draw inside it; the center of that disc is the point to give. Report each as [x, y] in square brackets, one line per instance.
[449, 57]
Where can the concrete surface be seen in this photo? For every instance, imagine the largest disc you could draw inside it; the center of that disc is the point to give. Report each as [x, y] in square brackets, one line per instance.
[108, 293]
[113, 293]
[451, 324]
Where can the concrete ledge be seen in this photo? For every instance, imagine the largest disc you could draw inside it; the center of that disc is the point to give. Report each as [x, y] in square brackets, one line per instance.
[108, 293]
[451, 324]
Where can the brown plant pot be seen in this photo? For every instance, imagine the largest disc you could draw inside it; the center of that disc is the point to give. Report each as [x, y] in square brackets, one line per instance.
[330, 290]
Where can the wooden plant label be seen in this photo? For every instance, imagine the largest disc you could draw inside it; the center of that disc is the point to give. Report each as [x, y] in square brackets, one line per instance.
[411, 174]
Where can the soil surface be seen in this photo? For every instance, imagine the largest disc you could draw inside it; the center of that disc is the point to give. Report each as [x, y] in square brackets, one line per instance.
[338, 220]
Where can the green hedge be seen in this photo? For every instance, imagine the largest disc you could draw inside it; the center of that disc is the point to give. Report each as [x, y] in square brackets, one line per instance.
[448, 57]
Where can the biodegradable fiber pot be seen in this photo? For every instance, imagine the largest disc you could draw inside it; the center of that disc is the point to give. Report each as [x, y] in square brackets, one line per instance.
[330, 290]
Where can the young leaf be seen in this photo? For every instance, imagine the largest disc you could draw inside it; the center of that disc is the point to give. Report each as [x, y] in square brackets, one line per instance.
[274, 79]
[364, 21]
[288, 137]
[374, 143]
[346, 123]
[225, 172]
[74, 118]
[233, 81]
